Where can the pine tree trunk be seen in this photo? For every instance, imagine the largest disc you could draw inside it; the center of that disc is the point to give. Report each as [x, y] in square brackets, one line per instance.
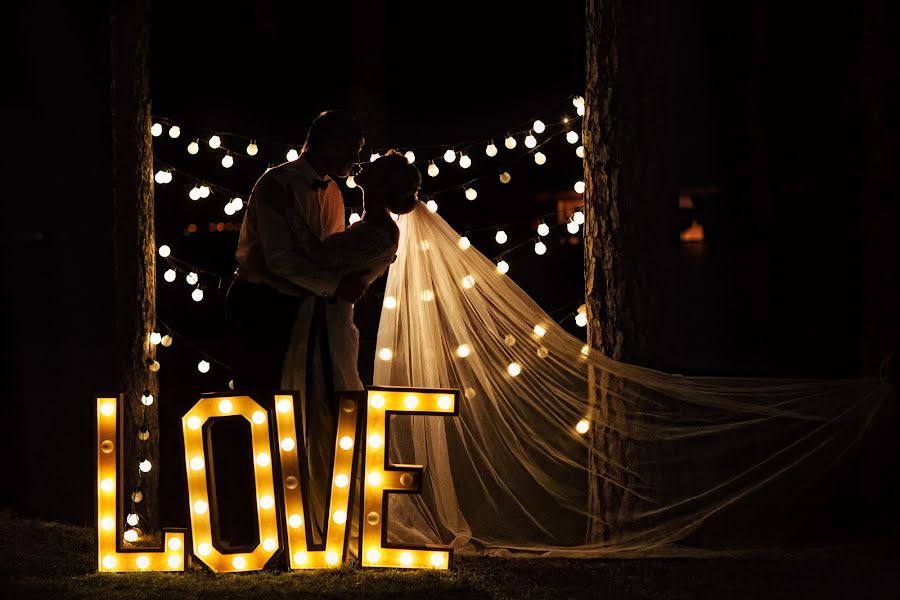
[135, 256]
[630, 234]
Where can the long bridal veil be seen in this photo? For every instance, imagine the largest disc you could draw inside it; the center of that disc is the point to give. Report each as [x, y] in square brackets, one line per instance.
[560, 450]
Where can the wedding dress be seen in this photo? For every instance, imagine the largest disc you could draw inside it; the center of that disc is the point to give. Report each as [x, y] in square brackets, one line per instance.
[561, 451]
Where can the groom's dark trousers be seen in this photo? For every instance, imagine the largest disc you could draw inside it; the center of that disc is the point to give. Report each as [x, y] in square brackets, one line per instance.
[260, 321]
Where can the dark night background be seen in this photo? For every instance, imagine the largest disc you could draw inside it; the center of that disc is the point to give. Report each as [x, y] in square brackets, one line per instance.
[769, 116]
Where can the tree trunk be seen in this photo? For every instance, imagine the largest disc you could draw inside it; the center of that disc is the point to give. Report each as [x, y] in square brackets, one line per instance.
[630, 236]
[135, 256]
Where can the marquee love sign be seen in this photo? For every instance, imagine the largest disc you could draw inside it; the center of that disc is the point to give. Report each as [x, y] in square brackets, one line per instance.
[282, 526]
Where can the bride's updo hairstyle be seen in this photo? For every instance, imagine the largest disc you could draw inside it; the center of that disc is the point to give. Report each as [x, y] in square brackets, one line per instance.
[399, 179]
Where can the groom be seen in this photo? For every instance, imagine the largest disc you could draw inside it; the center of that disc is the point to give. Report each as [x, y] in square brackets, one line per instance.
[276, 281]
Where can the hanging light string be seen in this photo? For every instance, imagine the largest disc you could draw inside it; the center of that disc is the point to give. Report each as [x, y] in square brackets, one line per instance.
[183, 339]
[216, 136]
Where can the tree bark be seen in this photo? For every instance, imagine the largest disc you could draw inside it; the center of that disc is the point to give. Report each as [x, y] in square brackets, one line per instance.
[630, 236]
[135, 256]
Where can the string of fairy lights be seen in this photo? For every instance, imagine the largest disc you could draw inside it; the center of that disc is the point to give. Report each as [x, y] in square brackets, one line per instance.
[436, 161]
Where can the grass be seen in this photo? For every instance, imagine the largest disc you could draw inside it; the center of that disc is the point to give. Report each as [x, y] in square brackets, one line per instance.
[53, 561]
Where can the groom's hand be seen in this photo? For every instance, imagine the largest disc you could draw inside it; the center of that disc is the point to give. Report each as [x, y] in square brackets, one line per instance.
[351, 286]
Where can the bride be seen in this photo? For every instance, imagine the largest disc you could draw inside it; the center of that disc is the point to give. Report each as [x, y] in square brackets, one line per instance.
[366, 249]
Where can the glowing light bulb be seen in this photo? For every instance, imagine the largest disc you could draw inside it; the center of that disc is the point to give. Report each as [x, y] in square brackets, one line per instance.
[258, 417]
[406, 559]
[174, 544]
[145, 466]
[464, 161]
[132, 519]
[204, 549]
[300, 558]
[540, 248]
[170, 275]
[350, 181]
[437, 560]
[503, 267]
[505, 177]
[161, 177]
[471, 194]
[204, 191]
[252, 149]
[147, 399]
[445, 402]
[501, 237]
[540, 158]
[197, 295]
[215, 141]
[468, 282]
[374, 156]
[154, 366]
[229, 209]
[572, 137]
[374, 479]
[354, 218]
[385, 354]
[225, 406]
[572, 227]
[267, 502]
[269, 545]
[263, 459]
[194, 423]
[580, 110]
[166, 341]
[582, 426]
[539, 331]
[174, 561]
[107, 484]
[410, 156]
[237, 203]
[578, 217]
[581, 320]
[491, 150]
[579, 151]
[203, 366]
[530, 141]
[287, 444]
[332, 557]
[543, 229]
[155, 338]
[509, 142]
[346, 442]
[375, 440]
[109, 561]
[579, 187]
[284, 405]
[227, 161]
[432, 205]
[538, 126]
[142, 562]
[156, 130]
[433, 170]
[450, 156]
[463, 350]
[341, 481]
[292, 155]
[295, 521]
[107, 523]
[197, 463]
[239, 562]
[193, 147]
[464, 243]
[577, 101]
[373, 555]
[377, 401]
[411, 402]
[192, 278]
[194, 194]
[514, 369]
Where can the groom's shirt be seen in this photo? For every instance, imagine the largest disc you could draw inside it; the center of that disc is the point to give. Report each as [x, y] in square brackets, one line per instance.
[290, 209]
